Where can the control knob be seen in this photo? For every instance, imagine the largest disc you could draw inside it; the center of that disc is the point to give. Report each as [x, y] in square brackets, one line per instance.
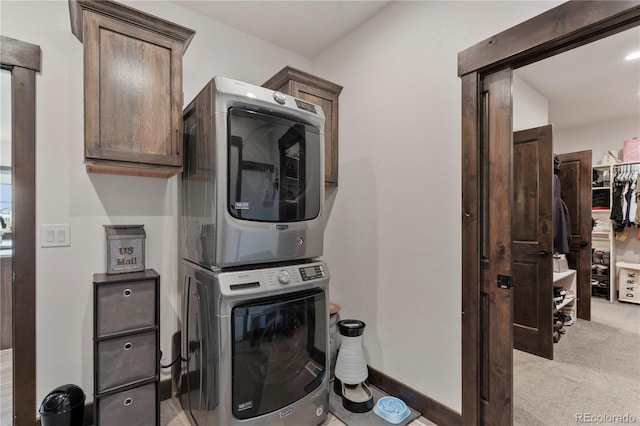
[279, 97]
[284, 277]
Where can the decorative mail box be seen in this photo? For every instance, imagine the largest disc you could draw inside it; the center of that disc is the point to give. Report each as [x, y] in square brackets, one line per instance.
[125, 248]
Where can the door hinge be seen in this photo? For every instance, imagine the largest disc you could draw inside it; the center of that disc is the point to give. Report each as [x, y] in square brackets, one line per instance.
[505, 281]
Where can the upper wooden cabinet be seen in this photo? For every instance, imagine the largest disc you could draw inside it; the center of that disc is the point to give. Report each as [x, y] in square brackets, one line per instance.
[132, 88]
[320, 92]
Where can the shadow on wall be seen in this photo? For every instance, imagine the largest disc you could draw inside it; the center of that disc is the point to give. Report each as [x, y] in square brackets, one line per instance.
[134, 195]
[351, 249]
[330, 193]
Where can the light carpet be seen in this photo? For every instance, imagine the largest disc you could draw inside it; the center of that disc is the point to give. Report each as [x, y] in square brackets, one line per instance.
[593, 378]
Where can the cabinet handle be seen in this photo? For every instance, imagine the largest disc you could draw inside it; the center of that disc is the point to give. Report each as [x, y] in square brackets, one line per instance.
[127, 346]
[127, 292]
[127, 402]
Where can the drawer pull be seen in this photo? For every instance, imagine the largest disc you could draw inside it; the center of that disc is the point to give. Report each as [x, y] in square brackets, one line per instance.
[127, 346]
[127, 292]
[127, 402]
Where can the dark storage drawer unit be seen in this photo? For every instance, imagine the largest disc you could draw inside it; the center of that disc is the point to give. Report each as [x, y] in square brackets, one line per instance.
[126, 349]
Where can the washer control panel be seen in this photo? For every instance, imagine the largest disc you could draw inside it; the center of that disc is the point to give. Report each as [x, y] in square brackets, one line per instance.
[284, 276]
[312, 272]
[279, 277]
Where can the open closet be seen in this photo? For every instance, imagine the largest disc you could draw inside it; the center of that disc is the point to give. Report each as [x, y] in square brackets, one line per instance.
[616, 235]
[588, 133]
[554, 280]
[551, 229]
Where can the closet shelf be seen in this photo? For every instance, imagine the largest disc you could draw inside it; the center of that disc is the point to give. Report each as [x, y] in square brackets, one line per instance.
[557, 276]
[565, 302]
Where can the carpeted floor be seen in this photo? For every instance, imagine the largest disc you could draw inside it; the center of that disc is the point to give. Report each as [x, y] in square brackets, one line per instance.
[593, 378]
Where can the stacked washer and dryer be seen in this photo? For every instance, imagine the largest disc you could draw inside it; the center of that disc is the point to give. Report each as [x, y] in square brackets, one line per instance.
[255, 306]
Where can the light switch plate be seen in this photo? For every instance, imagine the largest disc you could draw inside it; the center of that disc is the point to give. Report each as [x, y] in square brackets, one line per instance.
[55, 235]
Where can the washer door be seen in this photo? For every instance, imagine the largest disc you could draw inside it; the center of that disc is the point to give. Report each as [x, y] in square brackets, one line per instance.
[279, 351]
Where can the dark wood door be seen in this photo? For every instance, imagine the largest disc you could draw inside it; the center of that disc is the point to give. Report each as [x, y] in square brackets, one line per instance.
[488, 356]
[575, 180]
[533, 40]
[23, 59]
[532, 241]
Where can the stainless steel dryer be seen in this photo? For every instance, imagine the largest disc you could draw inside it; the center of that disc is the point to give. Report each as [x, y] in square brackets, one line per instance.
[253, 180]
[255, 345]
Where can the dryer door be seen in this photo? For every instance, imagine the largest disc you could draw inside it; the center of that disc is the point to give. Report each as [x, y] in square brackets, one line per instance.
[274, 168]
[279, 351]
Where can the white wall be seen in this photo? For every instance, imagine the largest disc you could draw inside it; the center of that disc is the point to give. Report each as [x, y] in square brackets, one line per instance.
[530, 107]
[598, 137]
[393, 240]
[65, 193]
[393, 235]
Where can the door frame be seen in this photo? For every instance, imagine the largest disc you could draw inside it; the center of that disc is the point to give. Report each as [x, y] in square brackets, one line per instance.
[562, 28]
[23, 60]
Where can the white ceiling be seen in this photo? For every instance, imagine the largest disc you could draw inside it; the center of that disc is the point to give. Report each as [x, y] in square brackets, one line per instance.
[305, 27]
[590, 84]
[586, 85]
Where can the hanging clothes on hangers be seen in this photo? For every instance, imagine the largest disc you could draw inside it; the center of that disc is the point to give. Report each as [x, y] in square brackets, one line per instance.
[624, 206]
[632, 206]
[617, 212]
[560, 215]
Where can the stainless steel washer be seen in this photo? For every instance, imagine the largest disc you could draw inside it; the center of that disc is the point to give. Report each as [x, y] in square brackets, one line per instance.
[255, 345]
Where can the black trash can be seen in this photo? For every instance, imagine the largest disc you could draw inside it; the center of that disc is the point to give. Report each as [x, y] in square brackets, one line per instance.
[63, 406]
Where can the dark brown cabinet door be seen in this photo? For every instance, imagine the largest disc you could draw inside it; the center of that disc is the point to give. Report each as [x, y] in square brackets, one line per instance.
[132, 88]
[320, 92]
[329, 104]
[532, 235]
[133, 95]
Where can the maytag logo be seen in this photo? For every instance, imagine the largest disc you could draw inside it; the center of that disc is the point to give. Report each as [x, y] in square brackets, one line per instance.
[245, 405]
[287, 411]
[281, 227]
